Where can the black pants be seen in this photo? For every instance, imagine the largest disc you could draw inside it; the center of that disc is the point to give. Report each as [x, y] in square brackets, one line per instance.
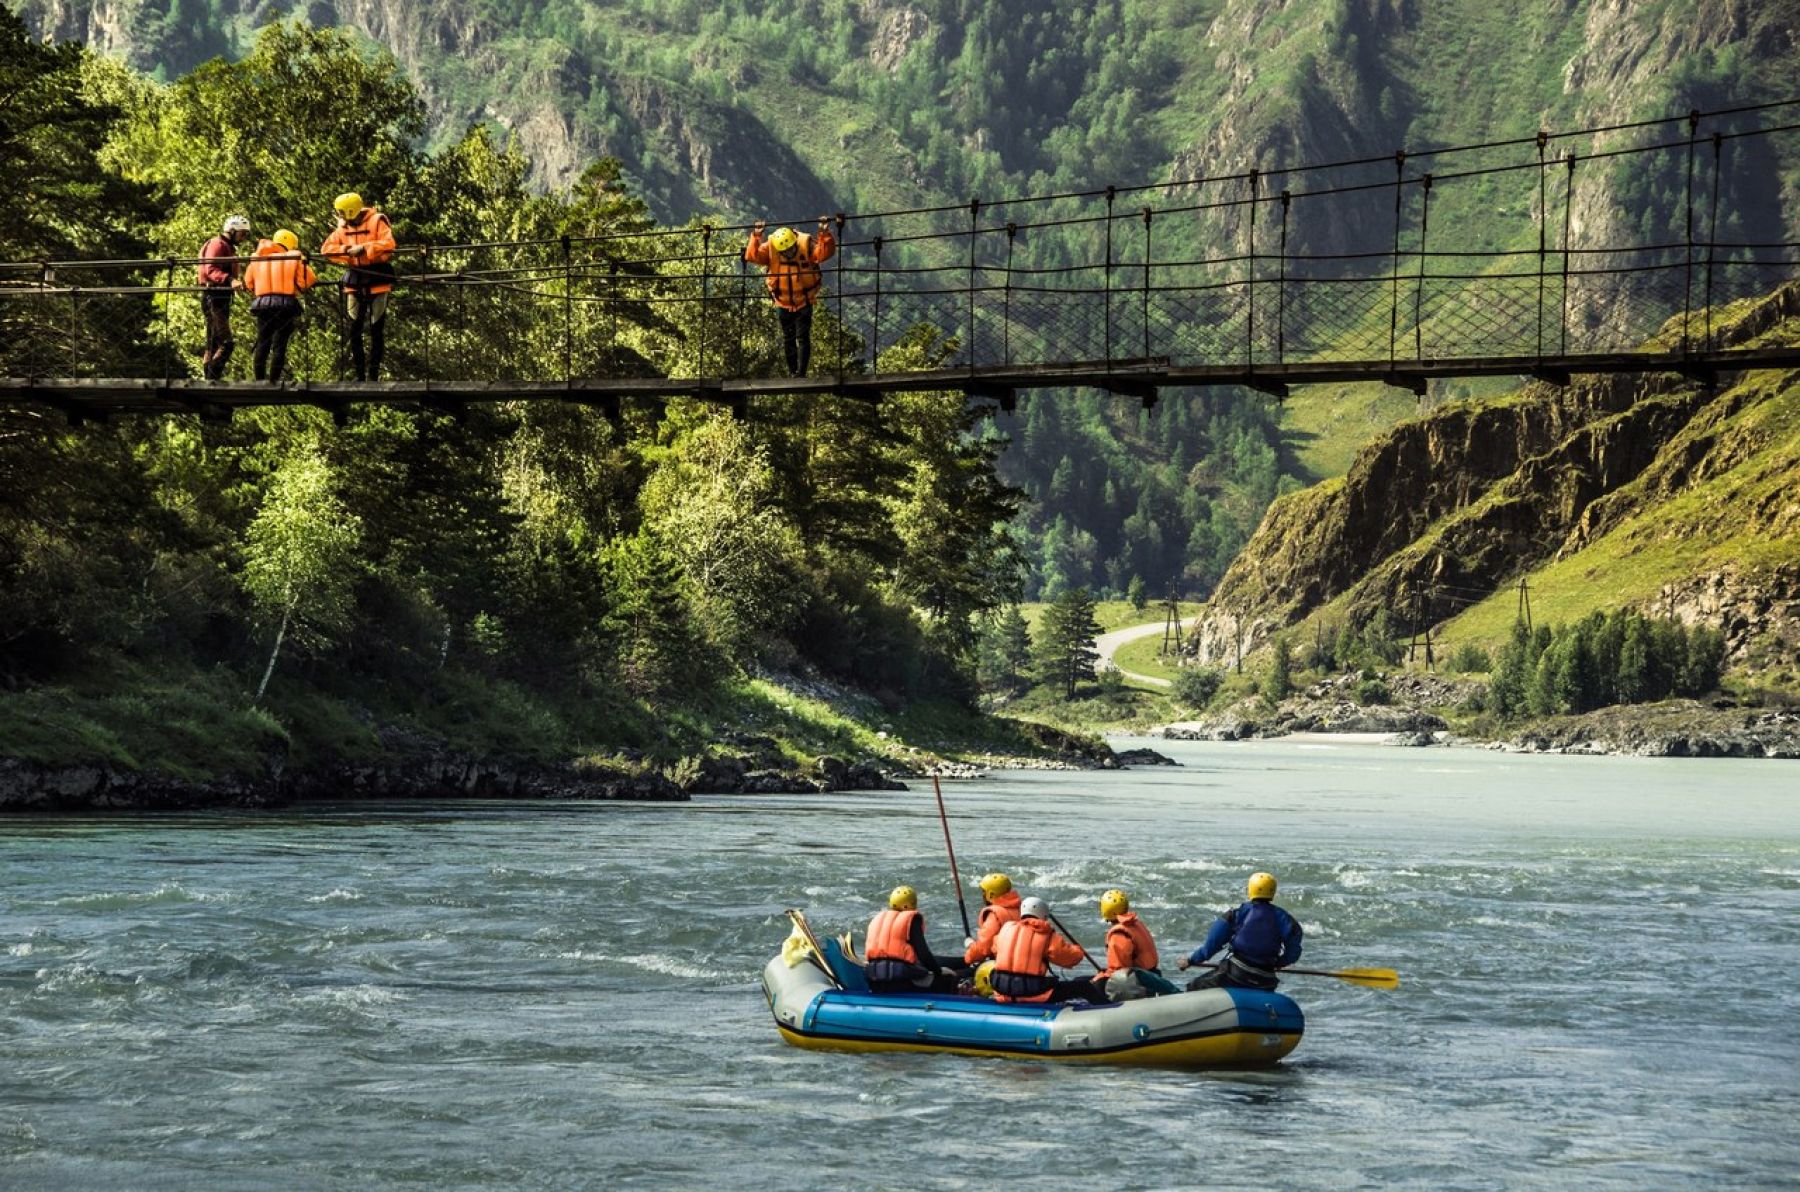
[1019, 987]
[894, 976]
[274, 327]
[1234, 975]
[215, 304]
[368, 311]
[796, 339]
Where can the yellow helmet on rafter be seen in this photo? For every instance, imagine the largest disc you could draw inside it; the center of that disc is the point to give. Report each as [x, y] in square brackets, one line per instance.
[1261, 885]
[984, 979]
[995, 884]
[904, 898]
[1113, 903]
[784, 241]
[349, 205]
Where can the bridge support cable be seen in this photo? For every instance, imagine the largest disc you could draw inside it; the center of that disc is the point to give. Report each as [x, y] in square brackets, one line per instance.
[1287, 202]
[1419, 286]
[1687, 285]
[1543, 219]
[1250, 280]
[974, 233]
[1394, 272]
[1712, 236]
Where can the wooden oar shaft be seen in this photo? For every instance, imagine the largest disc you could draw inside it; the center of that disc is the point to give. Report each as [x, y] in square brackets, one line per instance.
[1379, 978]
[949, 848]
[1076, 942]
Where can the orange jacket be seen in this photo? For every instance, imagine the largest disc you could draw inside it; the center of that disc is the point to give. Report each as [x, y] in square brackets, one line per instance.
[276, 272]
[1128, 945]
[793, 284]
[370, 269]
[890, 937]
[995, 915]
[1028, 947]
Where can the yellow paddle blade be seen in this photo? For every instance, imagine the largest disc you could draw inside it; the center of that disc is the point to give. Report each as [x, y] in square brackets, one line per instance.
[1374, 978]
[795, 949]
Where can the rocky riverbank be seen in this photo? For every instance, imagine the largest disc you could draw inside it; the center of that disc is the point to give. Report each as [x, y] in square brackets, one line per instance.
[1420, 709]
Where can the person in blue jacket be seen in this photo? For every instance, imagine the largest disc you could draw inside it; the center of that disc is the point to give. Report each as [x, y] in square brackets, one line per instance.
[1262, 937]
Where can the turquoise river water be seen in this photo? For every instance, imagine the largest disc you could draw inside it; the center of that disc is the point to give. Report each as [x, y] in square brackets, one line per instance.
[1598, 960]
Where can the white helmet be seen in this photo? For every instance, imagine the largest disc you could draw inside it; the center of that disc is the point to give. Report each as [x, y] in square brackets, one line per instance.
[236, 223]
[1034, 908]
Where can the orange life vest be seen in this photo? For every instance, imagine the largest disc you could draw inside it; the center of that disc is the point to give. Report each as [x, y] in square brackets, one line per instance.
[793, 284]
[1128, 945]
[993, 916]
[370, 270]
[274, 272]
[890, 937]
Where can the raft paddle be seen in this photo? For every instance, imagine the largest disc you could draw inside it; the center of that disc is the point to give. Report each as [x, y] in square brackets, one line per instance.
[951, 849]
[799, 920]
[1374, 978]
[1074, 941]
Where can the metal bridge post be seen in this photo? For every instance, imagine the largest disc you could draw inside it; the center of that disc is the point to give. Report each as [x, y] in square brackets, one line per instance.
[1687, 289]
[1012, 232]
[568, 315]
[1287, 201]
[1250, 283]
[705, 290]
[1712, 236]
[168, 317]
[1112, 192]
[875, 339]
[838, 333]
[1568, 212]
[1394, 273]
[1543, 140]
[1419, 286]
[612, 291]
[974, 214]
[1147, 214]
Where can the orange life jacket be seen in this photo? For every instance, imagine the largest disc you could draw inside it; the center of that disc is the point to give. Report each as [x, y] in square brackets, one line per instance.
[1128, 945]
[890, 937]
[274, 272]
[993, 916]
[793, 284]
[370, 270]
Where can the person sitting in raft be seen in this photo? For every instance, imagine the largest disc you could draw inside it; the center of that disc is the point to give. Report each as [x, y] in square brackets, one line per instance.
[1128, 942]
[896, 958]
[1023, 953]
[1000, 905]
[1262, 938]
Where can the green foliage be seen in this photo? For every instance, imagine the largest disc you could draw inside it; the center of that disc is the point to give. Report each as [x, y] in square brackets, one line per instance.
[1004, 652]
[1620, 657]
[1373, 691]
[1469, 659]
[1065, 654]
[1278, 680]
[1196, 686]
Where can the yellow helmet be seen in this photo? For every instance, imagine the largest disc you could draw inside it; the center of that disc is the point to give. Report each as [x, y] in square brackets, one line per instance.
[995, 884]
[1113, 903]
[287, 240]
[1261, 885]
[784, 241]
[984, 979]
[904, 898]
[349, 205]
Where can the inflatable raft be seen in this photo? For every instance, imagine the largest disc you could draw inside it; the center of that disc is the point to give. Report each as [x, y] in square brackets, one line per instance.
[1209, 1028]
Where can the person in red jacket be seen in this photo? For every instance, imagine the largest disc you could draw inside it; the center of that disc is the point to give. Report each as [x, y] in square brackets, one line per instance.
[793, 259]
[1000, 906]
[218, 277]
[363, 242]
[896, 958]
[1023, 953]
[277, 275]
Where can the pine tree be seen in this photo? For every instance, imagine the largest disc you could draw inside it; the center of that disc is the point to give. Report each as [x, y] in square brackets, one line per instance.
[1065, 644]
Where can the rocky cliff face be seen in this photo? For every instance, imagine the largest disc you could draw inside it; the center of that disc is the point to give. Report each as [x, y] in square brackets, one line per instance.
[1473, 496]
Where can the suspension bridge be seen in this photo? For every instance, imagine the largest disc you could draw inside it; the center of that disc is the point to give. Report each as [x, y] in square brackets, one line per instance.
[1332, 272]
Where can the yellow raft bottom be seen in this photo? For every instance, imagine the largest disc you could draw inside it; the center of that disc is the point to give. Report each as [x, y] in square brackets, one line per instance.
[1235, 1049]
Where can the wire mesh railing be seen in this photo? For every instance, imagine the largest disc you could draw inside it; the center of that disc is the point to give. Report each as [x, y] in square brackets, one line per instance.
[1536, 248]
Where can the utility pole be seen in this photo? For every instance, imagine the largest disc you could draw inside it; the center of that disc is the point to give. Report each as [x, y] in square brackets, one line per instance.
[1524, 613]
[1171, 626]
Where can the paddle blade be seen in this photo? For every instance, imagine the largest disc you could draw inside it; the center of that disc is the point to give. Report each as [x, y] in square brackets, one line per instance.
[1374, 978]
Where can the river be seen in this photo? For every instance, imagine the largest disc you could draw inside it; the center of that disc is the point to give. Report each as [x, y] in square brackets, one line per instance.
[1598, 961]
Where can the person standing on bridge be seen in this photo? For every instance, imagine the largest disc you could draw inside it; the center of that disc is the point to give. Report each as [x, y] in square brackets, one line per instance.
[1262, 938]
[363, 242]
[278, 274]
[793, 259]
[218, 277]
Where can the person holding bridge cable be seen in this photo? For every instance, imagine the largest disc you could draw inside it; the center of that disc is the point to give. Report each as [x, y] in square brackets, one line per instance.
[363, 242]
[793, 259]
